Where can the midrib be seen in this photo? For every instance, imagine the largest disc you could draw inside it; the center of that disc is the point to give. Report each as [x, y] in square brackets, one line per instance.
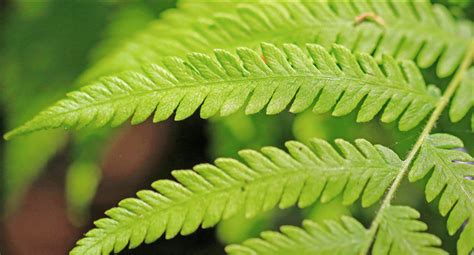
[383, 85]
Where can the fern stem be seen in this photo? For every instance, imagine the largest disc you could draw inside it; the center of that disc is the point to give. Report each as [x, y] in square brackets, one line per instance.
[441, 105]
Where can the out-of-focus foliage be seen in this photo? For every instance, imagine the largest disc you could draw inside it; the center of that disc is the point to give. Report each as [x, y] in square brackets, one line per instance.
[238, 228]
[129, 53]
[239, 131]
[81, 184]
[49, 44]
[128, 18]
[40, 59]
[24, 162]
[461, 8]
[84, 173]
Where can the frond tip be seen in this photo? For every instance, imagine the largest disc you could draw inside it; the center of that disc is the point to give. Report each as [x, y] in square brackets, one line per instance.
[451, 178]
[400, 233]
[209, 193]
[283, 76]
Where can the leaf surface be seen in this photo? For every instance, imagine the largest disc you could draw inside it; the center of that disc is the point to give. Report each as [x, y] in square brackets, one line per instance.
[280, 77]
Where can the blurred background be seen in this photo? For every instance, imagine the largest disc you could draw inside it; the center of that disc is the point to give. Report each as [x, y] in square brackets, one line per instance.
[54, 184]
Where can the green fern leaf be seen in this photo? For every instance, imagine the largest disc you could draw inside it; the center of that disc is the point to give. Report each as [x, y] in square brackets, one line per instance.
[451, 180]
[407, 30]
[463, 100]
[274, 79]
[399, 233]
[214, 192]
[332, 237]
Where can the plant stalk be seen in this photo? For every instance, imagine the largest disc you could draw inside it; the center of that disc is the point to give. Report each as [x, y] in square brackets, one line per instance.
[443, 102]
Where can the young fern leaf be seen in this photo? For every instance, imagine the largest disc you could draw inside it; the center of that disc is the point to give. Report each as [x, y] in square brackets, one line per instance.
[332, 237]
[269, 178]
[463, 100]
[409, 30]
[452, 179]
[227, 83]
[400, 233]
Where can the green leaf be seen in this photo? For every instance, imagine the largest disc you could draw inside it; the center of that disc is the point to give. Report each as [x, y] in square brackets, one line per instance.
[125, 20]
[406, 29]
[450, 179]
[463, 100]
[269, 178]
[276, 79]
[332, 237]
[400, 232]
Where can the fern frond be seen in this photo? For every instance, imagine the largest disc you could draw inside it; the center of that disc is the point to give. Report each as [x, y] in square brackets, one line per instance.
[400, 233]
[410, 30]
[463, 100]
[332, 237]
[450, 179]
[269, 178]
[227, 83]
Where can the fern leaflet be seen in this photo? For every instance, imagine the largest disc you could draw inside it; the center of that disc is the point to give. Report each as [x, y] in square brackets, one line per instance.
[214, 192]
[451, 180]
[401, 233]
[411, 29]
[278, 78]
